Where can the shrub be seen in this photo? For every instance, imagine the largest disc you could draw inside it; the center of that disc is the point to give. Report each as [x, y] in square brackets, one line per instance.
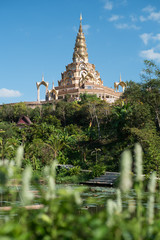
[98, 170]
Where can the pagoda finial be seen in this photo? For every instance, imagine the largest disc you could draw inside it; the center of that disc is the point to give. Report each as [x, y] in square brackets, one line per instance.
[120, 78]
[53, 85]
[80, 27]
[80, 50]
[42, 77]
[81, 17]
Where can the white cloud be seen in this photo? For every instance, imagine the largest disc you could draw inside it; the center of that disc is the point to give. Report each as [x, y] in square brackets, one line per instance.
[142, 19]
[122, 25]
[148, 8]
[152, 14]
[117, 3]
[133, 18]
[156, 37]
[86, 28]
[9, 93]
[115, 18]
[126, 26]
[122, 2]
[108, 5]
[155, 16]
[150, 54]
[146, 37]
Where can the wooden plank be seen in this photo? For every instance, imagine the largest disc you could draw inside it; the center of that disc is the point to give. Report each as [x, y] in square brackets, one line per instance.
[107, 179]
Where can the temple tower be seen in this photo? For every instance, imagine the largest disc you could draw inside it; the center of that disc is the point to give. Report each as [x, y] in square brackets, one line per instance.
[80, 72]
[80, 50]
[80, 76]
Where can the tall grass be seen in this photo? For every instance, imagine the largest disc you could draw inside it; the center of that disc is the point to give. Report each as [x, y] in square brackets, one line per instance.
[61, 215]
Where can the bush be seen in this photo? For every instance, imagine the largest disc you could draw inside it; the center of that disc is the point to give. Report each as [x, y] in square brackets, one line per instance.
[74, 171]
[98, 170]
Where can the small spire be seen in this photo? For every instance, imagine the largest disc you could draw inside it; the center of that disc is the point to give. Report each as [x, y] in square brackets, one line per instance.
[42, 77]
[81, 17]
[53, 85]
[120, 78]
[80, 27]
[80, 50]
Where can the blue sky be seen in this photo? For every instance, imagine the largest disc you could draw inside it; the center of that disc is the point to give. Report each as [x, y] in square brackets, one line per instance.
[38, 36]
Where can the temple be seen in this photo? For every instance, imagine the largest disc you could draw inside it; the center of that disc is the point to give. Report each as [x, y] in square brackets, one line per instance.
[81, 77]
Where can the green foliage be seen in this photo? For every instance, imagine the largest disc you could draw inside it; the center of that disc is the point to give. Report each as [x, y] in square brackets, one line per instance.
[50, 119]
[20, 109]
[98, 170]
[39, 153]
[12, 113]
[8, 141]
[149, 140]
[35, 114]
[73, 129]
[70, 131]
[69, 175]
[7, 113]
[74, 171]
[88, 98]
[61, 213]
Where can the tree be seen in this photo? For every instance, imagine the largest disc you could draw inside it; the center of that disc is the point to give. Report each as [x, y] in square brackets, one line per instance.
[38, 153]
[150, 142]
[7, 113]
[56, 143]
[9, 140]
[20, 109]
[67, 112]
[151, 88]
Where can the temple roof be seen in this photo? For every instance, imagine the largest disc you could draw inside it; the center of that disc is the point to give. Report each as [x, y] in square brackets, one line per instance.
[24, 120]
[80, 49]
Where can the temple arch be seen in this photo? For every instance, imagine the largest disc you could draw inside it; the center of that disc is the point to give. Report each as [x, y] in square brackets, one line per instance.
[38, 84]
[120, 83]
[53, 93]
[116, 86]
[123, 85]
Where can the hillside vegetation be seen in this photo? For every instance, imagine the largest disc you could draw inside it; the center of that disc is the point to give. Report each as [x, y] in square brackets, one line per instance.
[90, 133]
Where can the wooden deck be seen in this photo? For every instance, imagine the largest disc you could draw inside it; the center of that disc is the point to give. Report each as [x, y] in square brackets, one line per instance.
[108, 179]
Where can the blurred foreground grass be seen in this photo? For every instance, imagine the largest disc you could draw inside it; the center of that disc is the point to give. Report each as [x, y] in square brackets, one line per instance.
[62, 214]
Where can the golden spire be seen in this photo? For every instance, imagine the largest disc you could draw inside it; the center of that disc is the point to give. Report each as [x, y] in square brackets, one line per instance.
[53, 85]
[81, 17]
[120, 78]
[80, 50]
[80, 27]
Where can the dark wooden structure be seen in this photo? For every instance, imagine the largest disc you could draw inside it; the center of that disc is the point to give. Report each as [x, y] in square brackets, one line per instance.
[108, 179]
